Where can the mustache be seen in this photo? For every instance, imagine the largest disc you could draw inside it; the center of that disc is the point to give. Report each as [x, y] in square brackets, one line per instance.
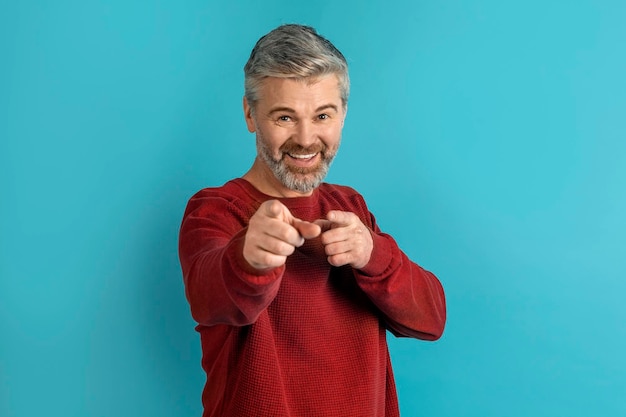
[296, 149]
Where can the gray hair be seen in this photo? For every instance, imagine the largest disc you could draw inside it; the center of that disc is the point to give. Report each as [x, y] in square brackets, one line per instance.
[298, 52]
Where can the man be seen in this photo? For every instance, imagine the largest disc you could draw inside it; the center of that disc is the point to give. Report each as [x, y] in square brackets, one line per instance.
[290, 279]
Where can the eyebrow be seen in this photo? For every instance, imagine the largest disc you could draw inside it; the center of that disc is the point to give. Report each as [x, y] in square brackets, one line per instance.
[290, 110]
[325, 107]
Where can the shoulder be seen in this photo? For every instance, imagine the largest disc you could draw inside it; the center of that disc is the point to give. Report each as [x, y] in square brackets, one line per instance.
[232, 196]
[231, 189]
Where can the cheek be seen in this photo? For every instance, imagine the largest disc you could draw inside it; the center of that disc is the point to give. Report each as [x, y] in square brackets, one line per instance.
[332, 136]
[273, 139]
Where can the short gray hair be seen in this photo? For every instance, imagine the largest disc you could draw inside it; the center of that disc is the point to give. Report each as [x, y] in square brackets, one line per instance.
[298, 52]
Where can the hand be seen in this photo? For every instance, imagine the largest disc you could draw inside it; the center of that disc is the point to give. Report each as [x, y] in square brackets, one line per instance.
[273, 234]
[347, 241]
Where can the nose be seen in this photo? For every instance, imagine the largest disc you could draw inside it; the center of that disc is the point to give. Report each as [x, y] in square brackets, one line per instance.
[306, 133]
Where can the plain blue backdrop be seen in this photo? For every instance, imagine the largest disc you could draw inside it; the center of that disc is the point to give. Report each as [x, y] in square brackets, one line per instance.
[489, 137]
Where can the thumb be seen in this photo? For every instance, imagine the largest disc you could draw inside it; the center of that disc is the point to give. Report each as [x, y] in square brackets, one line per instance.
[306, 229]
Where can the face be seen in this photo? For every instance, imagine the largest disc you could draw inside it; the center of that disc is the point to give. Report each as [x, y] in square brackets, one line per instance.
[298, 130]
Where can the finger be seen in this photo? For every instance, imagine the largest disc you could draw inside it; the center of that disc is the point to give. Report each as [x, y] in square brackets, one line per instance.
[274, 209]
[337, 248]
[265, 260]
[333, 236]
[280, 226]
[277, 247]
[341, 218]
[340, 259]
[342, 253]
[306, 229]
[286, 233]
[340, 234]
[323, 224]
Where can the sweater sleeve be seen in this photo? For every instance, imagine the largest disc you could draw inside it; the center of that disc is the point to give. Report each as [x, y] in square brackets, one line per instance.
[411, 298]
[219, 284]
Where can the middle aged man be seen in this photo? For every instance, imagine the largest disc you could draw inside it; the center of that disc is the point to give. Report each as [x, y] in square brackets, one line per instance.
[292, 282]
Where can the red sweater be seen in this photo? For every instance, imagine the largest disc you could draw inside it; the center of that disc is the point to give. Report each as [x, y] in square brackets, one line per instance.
[304, 339]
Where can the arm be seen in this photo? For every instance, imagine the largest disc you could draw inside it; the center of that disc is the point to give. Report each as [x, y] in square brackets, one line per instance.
[233, 263]
[411, 298]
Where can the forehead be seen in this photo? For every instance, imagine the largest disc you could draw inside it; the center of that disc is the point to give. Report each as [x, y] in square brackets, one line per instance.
[299, 94]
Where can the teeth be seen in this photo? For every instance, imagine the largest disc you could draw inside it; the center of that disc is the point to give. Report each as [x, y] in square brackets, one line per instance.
[309, 156]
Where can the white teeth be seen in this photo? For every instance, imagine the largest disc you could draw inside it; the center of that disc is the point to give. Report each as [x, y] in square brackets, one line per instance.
[309, 156]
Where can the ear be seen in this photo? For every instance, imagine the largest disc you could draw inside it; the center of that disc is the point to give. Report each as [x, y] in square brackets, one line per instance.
[247, 113]
[345, 113]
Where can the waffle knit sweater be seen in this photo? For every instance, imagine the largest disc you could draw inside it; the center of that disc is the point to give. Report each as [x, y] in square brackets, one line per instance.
[306, 338]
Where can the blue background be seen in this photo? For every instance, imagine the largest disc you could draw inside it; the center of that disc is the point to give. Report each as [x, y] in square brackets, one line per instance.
[488, 137]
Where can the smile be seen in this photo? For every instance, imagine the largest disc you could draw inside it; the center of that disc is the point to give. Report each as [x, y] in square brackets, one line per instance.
[307, 156]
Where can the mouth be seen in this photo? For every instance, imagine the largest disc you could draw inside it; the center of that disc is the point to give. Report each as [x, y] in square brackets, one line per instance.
[303, 161]
[303, 157]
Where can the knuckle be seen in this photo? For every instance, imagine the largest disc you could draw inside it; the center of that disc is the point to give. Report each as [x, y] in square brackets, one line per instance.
[274, 204]
[339, 260]
[270, 260]
[281, 248]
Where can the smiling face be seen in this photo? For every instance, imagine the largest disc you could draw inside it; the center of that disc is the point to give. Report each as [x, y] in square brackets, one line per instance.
[298, 130]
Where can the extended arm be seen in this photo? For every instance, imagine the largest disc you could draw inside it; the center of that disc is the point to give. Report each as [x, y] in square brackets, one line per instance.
[232, 265]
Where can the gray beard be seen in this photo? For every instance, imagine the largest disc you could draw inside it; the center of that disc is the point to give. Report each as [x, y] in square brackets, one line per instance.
[295, 179]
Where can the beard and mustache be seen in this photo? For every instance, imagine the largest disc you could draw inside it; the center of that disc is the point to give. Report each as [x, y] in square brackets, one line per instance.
[300, 179]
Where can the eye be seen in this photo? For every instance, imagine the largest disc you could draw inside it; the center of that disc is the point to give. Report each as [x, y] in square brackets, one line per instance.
[284, 119]
[323, 116]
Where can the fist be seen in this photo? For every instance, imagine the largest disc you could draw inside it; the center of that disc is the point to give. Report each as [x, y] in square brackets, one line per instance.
[273, 234]
[346, 240]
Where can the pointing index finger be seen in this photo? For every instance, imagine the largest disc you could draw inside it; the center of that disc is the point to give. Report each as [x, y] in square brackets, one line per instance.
[273, 209]
[340, 218]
